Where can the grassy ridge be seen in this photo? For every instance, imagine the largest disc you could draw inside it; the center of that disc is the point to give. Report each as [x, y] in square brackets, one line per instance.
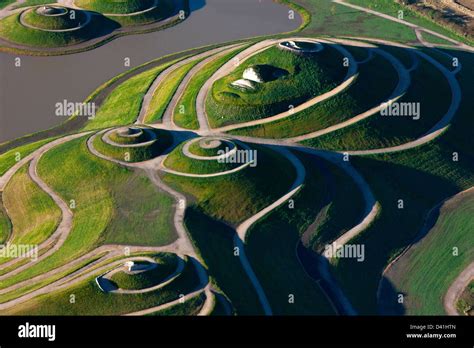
[431, 264]
[272, 242]
[368, 91]
[235, 197]
[9, 158]
[379, 131]
[164, 93]
[306, 77]
[187, 101]
[122, 105]
[215, 243]
[22, 197]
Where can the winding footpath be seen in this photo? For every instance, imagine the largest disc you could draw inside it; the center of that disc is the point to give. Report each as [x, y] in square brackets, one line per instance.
[107, 258]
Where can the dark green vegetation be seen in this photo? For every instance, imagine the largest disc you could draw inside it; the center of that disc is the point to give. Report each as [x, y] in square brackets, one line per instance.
[130, 12]
[214, 241]
[233, 198]
[190, 308]
[91, 301]
[133, 153]
[166, 265]
[429, 87]
[324, 208]
[465, 302]
[368, 91]
[185, 114]
[292, 79]
[4, 3]
[433, 263]
[423, 177]
[11, 29]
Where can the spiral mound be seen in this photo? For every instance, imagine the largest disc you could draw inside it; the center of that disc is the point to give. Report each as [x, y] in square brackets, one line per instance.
[116, 7]
[133, 144]
[210, 156]
[142, 273]
[54, 18]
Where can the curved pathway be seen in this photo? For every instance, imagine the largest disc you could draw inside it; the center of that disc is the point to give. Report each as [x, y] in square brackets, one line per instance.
[458, 285]
[404, 81]
[145, 108]
[349, 79]
[215, 54]
[456, 289]
[183, 244]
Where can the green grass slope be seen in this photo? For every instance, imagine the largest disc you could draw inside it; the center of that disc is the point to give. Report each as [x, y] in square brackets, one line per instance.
[369, 90]
[304, 78]
[185, 114]
[22, 197]
[431, 263]
[235, 197]
[12, 30]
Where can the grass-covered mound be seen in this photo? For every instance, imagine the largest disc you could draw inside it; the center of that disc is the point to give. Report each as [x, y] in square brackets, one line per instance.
[429, 88]
[185, 114]
[54, 18]
[115, 6]
[210, 153]
[148, 144]
[288, 79]
[166, 265]
[12, 30]
[233, 198]
[90, 300]
[368, 90]
[130, 12]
